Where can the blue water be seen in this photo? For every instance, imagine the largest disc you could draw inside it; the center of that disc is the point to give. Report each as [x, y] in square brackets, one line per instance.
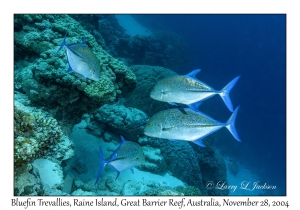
[254, 47]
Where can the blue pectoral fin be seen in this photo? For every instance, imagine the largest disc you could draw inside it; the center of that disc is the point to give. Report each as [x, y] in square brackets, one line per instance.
[195, 106]
[224, 93]
[199, 142]
[193, 73]
[231, 124]
[62, 44]
[102, 165]
[132, 171]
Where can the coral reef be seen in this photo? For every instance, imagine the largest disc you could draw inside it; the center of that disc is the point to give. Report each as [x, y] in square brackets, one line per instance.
[122, 120]
[139, 98]
[35, 133]
[42, 76]
[163, 48]
[28, 182]
[105, 28]
[103, 90]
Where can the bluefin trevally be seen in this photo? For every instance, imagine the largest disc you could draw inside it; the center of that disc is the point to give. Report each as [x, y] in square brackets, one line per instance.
[187, 124]
[81, 59]
[187, 89]
[128, 155]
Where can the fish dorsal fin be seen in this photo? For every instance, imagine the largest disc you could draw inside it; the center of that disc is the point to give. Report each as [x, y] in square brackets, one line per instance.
[114, 155]
[62, 44]
[193, 73]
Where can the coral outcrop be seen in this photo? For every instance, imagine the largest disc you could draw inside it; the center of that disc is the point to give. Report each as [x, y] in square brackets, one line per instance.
[180, 158]
[162, 48]
[35, 134]
[122, 120]
[28, 183]
[155, 162]
[213, 168]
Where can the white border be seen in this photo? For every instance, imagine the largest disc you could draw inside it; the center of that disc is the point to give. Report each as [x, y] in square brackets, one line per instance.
[8, 8]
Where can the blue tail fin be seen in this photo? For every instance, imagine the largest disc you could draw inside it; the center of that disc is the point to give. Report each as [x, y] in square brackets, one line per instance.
[224, 93]
[230, 124]
[102, 165]
[62, 44]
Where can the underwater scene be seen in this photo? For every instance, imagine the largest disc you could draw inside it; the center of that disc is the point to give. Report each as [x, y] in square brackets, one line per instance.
[149, 105]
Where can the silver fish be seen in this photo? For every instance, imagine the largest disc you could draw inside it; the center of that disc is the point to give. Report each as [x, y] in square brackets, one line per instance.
[186, 124]
[82, 60]
[187, 89]
[128, 155]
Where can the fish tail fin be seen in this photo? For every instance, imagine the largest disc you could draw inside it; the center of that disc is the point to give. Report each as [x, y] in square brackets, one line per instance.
[231, 124]
[102, 164]
[62, 44]
[224, 93]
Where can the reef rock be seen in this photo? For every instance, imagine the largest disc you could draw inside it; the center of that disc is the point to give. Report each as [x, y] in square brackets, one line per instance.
[36, 134]
[28, 182]
[155, 162]
[213, 168]
[180, 159]
[122, 120]
[51, 173]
